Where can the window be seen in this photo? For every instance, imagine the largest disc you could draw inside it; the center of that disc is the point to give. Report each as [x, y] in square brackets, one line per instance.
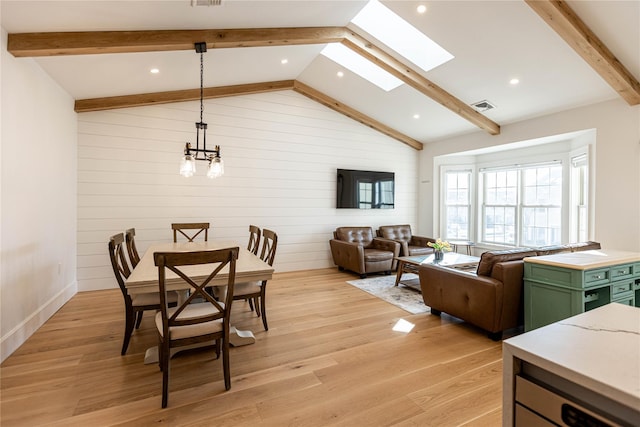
[457, 205]
[499, 209]
[542, 206]
[522, 206]
[579, 196]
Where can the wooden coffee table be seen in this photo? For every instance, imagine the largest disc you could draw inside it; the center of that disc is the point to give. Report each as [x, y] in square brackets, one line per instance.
[411, 264]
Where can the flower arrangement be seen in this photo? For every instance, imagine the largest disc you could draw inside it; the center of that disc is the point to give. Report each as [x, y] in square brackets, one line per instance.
[440, 245]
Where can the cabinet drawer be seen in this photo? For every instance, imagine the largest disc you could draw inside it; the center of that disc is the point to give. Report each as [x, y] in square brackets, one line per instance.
[621, 271]
[621, 287]
[626, 299]
[597, 276]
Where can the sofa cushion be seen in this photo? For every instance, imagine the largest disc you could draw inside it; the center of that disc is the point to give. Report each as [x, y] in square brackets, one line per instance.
[584, 246]
[488, 259]
[553, 249]
[419, 250]
[377, 255]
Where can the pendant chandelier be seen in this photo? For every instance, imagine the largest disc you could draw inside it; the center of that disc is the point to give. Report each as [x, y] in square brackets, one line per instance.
[188, 163]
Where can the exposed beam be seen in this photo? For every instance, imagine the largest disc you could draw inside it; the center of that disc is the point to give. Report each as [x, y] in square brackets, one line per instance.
[563, 20]
[97, 42]
[125, 101]
[79, 43]
[354, 114]
[367, 49]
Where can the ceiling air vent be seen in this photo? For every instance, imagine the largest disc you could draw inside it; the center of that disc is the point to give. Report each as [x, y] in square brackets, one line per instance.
[481, 106]
[206, 2]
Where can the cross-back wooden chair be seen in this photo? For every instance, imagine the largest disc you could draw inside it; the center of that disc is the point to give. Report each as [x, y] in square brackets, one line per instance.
[256, 292]
[132, 250]
[135, 305]
[190, 321]
[254, 239]
[196, 229]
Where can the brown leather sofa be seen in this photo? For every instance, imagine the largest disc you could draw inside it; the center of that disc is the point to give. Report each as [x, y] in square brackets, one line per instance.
[410, 245]
[356, 249]
[492, 297]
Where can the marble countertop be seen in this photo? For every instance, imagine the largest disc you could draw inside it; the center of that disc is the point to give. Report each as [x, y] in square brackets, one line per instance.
[598, 349]
[586, 260]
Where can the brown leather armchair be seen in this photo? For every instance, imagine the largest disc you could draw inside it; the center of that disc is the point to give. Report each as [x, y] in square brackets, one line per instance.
[356, 249]
[410, 245]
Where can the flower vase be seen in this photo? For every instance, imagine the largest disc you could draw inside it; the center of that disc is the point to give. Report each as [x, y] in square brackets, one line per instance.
[438, 255]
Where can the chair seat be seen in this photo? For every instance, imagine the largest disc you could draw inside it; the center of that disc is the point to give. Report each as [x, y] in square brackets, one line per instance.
[140, 300]
[376, 255]
[190, 312]
[419, 250]
[247, 288]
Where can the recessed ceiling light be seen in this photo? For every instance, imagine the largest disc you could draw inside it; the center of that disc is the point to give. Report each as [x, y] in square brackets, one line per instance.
[340, 74]
[284, 61]
[366, 69]
[416, 116]
[514, 81]
[421, 9]
[154, 71]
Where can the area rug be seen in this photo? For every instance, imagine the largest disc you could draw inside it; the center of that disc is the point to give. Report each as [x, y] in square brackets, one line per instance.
[405, 297]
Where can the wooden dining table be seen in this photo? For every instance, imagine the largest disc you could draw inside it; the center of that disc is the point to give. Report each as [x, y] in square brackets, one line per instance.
[144, 278]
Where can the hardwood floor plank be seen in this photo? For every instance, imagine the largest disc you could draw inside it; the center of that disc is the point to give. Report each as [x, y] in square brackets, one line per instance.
[330, 357]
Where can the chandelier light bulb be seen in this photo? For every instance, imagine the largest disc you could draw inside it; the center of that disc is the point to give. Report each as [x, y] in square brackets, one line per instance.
[216, 168]
[187, 166]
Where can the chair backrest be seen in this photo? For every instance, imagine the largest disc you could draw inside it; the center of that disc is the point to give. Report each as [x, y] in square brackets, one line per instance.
[175, 261]
[396, 232]
[179, 227]
[362, 235]
[118, 261]
[129, 237]
[269, 246]
[254, 239]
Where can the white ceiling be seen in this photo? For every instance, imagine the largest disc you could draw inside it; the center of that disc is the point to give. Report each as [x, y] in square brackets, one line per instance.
[492, 41]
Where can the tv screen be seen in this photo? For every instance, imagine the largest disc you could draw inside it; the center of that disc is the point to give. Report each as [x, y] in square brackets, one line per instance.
[364, 189]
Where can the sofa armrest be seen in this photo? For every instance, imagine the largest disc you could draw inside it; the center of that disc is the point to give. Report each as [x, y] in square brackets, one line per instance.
[511, 274]
[421, 241]
[475, 299]
[348, 255]
[386, 245]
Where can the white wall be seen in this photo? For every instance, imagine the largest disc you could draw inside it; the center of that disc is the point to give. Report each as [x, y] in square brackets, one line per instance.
[281, 152]
[38, 199]
[616, 165]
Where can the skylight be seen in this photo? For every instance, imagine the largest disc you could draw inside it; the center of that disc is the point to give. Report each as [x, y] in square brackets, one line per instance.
[366, 69]
[379, 21]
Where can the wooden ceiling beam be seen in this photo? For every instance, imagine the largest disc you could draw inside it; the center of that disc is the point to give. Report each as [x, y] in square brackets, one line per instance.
[354, 114]
[411, 77]
[126, 101]
[98, 42]
[563, 20]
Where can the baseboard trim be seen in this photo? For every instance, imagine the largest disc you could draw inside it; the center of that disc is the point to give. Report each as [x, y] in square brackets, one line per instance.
[13, 339]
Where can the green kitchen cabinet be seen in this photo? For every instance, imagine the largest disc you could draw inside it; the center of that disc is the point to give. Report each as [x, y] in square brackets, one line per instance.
[560, 286]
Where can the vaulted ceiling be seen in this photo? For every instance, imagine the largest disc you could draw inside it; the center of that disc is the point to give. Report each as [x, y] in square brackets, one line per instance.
[564, 54]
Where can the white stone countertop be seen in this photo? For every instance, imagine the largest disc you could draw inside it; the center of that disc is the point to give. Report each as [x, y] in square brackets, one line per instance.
[598, 349]
[586, 260]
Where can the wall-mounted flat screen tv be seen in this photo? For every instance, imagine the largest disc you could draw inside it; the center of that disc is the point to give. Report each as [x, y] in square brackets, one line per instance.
[365, 189]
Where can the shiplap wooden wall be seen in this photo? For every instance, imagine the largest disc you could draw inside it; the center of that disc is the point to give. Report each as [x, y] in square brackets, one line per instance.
[281, 151]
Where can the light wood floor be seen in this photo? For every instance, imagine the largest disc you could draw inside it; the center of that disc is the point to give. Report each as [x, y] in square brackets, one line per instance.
[330, 357]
